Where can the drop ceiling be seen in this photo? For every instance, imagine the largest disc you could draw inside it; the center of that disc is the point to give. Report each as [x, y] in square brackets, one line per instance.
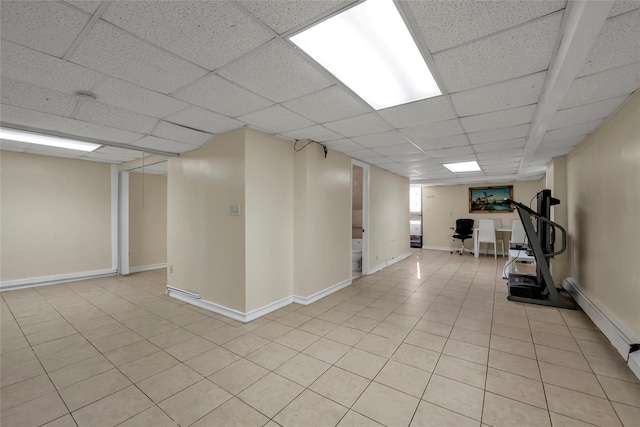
[522, 81]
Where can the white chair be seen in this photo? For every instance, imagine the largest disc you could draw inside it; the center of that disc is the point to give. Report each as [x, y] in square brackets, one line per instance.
[518, 236]
[487, 234]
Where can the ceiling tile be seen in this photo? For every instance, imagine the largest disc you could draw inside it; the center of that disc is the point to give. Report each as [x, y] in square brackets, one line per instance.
[21, 117]
[449, 23]
[396, 168]
[54, 151]
[608, 84]
[430, 110]
[498, 119]
[617, 44]
[395, 149]
[344, 145]
[317, 133]
[448, 152]
[623, 6]
[585, 113]
[566, 142]
[501, 154]
[162, 144]
[571, 131]
[362, 125]
[524, 50]
[447, 142]
[433, 130]
[46, 26]
[96, 112]
[275, 119]
[501, 134]
[135, 98]
[408, 157]
[179, 133]
[284, 15]
[363, 154]
[500, 161]
[328, 104]
[499, 96]
[89, 6]
[36, 98]
[379, 161]
[95, 131]
[455, 158]
[381, 139]
[127, 153]
[105, 157]
[277, 72]
[204, 120]
[220, 95]
[44, 70]
[112, 51]
[207, 33]
[19, 147]
[499, 145]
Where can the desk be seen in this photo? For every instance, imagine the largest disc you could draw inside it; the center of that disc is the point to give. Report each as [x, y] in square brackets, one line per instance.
[476, 244]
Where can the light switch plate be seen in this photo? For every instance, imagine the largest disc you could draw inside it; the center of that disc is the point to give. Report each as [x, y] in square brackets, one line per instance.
[234, 210]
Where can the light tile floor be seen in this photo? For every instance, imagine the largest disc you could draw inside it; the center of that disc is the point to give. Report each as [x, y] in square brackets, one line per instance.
[429, 341]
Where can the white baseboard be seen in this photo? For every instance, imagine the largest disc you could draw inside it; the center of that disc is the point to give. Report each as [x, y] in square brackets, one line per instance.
[259, 312]
[454, 249]
[388, 263]
[147, 268]
[321, 294]
[229, 312]
[9, 285]
[619, 337]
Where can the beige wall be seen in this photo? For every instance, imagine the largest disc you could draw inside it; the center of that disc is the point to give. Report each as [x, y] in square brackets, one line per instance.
[268, 215]
[206, 245]
[388, 217]
[442, 205]
[603, 210]
[556, 180]
[147, 219]
[322, 220]
[55, 216]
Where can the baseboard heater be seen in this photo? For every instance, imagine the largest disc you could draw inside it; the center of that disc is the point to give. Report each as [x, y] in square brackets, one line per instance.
[182, 291]
[623, 342]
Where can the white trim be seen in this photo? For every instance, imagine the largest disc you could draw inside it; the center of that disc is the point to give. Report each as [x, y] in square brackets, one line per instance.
[440, 248]
[174, 292]
[123, 264]
[619, 337]
[321, 294]
[8, 285]
[114, 216]
[388, 263]
[147, 267]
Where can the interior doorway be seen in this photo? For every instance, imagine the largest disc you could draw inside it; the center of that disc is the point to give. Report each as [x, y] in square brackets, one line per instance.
[359, 218]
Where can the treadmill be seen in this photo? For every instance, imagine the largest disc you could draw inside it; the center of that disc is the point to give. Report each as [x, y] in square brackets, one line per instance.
[539, 288]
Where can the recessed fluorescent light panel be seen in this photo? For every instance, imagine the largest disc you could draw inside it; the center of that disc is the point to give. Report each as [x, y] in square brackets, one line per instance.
[52, 141]
[463, 167]
[370, 49]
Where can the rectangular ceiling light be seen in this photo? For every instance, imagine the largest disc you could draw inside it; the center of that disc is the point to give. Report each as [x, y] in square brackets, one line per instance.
[370, 49]
[463, 167]
[52, 141]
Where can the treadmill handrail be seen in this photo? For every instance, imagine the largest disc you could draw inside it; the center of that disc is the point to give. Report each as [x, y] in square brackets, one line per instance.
[548, 221]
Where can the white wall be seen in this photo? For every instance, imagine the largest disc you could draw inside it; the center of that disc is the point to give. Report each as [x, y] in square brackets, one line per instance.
[388, 217]
[268, 215]
[603, 210]
[55, 216]
[442, 205]
[206, 245]
[322, 220]
[147, 219]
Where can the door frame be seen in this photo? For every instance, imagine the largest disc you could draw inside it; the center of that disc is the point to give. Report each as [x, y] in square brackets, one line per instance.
[366, 177]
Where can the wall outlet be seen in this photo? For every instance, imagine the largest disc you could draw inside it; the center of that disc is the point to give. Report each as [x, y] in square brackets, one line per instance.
[234, 210]
[171, 269]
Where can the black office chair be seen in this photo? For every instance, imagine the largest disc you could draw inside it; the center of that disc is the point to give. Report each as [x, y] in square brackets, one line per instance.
[463, 231]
